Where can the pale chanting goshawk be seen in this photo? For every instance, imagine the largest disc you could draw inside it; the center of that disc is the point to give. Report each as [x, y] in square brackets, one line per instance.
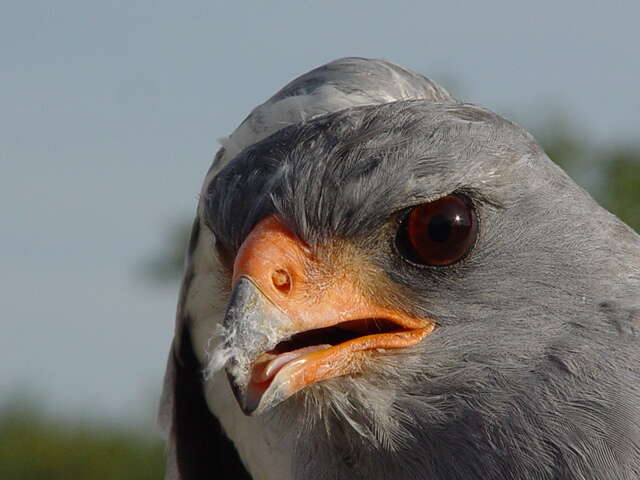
[385, 283]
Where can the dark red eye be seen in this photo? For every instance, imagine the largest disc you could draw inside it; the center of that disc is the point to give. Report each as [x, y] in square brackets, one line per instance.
[439, 232]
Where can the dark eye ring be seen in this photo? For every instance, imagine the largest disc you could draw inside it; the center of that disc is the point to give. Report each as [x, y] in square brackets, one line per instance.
[438, 233]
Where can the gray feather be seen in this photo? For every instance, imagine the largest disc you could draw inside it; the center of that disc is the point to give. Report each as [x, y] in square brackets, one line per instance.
[534, 369]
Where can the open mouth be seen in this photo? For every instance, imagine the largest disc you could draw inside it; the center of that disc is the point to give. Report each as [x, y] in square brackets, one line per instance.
[333, 347]
[325, 332]
[336, 334]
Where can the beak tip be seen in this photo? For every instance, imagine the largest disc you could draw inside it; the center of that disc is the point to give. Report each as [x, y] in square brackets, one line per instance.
[249, 407]
[248, 403]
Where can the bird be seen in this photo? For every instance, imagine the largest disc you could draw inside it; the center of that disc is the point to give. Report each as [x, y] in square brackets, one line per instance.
[384, 282]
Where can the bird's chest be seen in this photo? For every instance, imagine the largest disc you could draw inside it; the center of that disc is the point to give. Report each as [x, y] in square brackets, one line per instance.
[266, 454]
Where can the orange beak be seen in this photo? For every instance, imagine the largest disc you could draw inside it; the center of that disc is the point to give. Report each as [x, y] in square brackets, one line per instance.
[292, 322]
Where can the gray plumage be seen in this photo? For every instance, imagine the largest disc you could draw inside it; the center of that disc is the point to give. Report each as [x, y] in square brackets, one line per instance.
[533, 369]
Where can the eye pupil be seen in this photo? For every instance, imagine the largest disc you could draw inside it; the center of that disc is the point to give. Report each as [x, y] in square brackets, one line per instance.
[439, 228]
[439, 232]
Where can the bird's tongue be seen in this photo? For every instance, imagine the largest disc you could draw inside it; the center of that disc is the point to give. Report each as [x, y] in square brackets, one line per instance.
[266, 368]
[269, 364]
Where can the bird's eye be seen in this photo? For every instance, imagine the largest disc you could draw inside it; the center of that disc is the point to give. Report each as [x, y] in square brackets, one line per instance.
[438, 233]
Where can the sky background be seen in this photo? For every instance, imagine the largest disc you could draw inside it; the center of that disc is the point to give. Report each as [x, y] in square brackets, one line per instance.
[110, 113]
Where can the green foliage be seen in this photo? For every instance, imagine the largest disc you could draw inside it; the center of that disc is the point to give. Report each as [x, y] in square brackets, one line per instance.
[33, 447]
[611, 175]
[621, 185]
[564, 147]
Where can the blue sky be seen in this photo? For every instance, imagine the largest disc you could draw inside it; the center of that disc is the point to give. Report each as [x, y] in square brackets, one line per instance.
[110, 113]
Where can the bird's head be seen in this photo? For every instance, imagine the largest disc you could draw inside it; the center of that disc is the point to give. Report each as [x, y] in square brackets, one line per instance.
[409, 271]
[390, 246]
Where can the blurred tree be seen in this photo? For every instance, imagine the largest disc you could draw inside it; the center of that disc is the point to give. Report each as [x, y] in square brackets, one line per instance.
[620, 189]
[35, 448]
[166, 266]
[564, 148]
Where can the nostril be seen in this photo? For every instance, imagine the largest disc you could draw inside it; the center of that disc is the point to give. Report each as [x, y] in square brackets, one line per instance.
[281, 280]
